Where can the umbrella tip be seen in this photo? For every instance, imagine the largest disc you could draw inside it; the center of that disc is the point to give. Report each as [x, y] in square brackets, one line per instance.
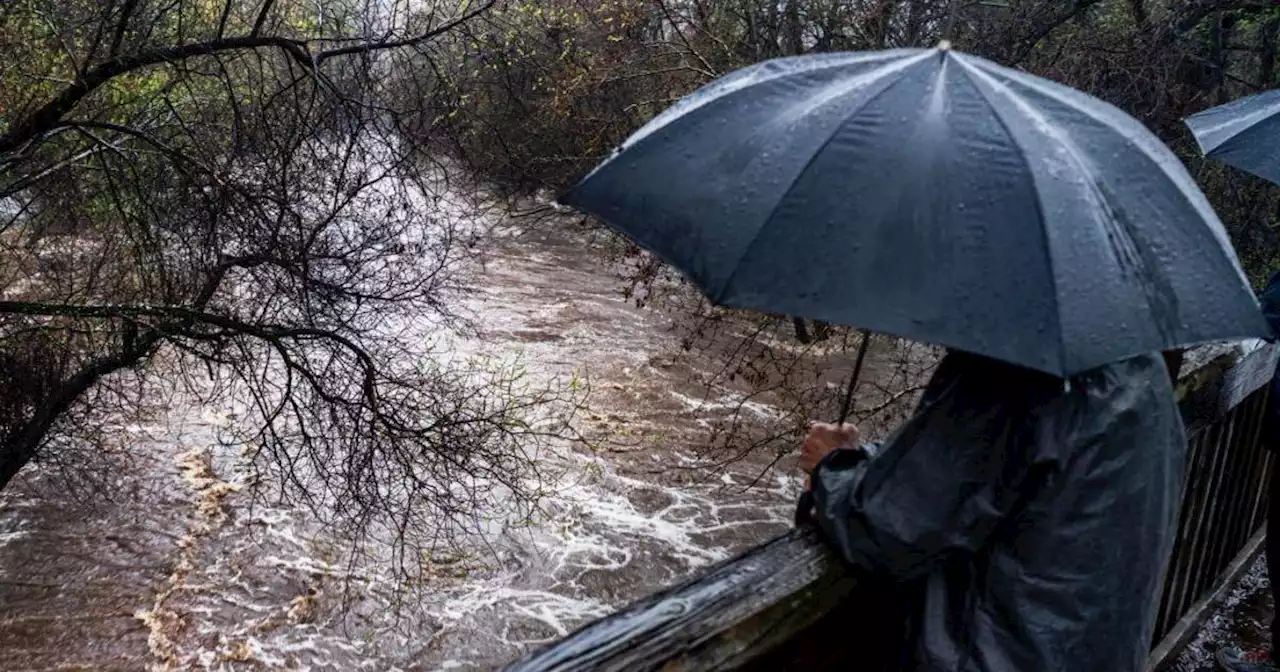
[944, 45]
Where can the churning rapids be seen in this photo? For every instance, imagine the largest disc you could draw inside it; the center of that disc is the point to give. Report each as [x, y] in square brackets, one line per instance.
[178, 569]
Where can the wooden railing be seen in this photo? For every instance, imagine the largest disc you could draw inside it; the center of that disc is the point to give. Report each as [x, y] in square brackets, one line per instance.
[1223, 501]
[790, 604]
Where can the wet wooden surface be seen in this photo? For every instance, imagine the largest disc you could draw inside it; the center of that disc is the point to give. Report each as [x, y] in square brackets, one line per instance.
[1224, 500]
[788, 597]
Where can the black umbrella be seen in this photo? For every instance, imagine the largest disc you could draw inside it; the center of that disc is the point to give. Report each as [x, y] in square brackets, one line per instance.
[933, 195]
[1243, 133]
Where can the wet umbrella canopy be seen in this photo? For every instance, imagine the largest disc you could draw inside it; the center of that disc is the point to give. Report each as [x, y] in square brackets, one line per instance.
[933, 195]
[1244, 133]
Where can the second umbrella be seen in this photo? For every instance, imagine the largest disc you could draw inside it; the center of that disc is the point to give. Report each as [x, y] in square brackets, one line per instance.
[1243, 134]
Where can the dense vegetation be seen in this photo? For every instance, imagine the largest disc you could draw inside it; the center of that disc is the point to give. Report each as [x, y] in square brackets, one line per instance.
[540, 90]
[222, 194]
[245, 191]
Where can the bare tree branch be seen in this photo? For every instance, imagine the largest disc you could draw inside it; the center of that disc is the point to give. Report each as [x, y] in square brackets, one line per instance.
[48, 115]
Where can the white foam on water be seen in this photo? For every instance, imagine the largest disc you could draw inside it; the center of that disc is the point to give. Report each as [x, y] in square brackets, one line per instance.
[266, 583]
[7, 538]
[730, 403]
[590, 525]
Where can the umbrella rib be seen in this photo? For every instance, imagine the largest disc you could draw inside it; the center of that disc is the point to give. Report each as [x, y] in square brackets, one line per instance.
[1121, 226]
[679, 111]
[719, 295]
[1035, 186]
[1204, 208]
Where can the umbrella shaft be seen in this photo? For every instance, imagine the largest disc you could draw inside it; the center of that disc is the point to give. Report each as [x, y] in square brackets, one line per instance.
[853, 379]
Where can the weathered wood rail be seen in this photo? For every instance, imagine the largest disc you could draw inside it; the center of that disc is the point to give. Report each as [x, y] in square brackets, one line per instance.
[788, 604]
[1224, 498]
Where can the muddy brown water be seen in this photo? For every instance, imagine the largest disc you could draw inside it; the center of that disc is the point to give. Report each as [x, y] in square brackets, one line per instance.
[175, 570]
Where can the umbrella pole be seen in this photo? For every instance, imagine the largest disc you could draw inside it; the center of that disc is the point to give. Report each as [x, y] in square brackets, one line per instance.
[805, 506]
[853, 379]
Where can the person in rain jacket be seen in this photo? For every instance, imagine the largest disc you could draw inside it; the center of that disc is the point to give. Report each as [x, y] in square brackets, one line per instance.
[1263, 660]
[1034, 515]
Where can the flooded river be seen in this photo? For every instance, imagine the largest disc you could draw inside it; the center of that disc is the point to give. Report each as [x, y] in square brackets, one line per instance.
[178, 568]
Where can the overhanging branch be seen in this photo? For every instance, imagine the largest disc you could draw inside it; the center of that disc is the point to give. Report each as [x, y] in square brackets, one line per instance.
[49, 115]
[183, 316]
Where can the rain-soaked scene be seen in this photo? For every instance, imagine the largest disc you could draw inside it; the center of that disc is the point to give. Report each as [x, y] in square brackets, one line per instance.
[639, 335]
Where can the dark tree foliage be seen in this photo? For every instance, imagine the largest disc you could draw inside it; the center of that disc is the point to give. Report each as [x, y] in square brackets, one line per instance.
[536, 93]
[224, 193]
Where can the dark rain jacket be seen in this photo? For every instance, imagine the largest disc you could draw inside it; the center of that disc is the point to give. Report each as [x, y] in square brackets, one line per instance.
[1269, 300]
[1033, 515]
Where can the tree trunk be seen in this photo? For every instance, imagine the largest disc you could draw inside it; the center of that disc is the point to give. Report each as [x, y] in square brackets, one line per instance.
[1138, 9]
[25, 442]
[881, 19]
[1267, 53]
[915, 11]
[802, 330]
[821, 330]
[793, 31]
[1220, 35]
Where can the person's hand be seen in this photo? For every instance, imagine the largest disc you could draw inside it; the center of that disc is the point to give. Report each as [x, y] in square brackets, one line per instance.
[824, 438]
